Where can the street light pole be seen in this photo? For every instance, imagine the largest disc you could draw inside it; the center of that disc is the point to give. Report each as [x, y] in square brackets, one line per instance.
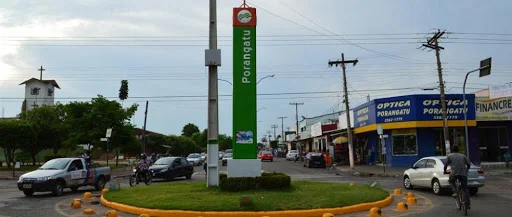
[483, 66]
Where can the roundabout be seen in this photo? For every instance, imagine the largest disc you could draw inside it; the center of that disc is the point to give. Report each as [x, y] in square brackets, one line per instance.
[194, 199]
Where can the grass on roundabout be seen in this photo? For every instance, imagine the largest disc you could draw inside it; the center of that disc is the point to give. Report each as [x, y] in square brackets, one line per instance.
[196, 196]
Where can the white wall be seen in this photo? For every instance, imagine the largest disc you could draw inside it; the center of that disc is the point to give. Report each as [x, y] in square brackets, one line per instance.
[42, 98]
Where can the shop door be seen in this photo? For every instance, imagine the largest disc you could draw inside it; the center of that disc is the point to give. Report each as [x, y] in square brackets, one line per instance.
[493, 144]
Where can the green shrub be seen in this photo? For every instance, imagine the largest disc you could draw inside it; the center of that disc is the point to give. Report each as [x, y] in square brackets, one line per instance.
[274, 182]
[50, 157]
[265, 181]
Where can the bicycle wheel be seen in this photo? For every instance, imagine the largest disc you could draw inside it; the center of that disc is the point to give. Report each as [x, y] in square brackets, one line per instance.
[463, 204]
[458, 203]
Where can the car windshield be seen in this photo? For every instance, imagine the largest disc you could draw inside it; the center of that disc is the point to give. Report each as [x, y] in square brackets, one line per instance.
[165, 161]
[228, 155]
[228, 151]
[203, 154]
[266, 152]
[293, 151]
[194, 156]
[315, 154]
[55, 164]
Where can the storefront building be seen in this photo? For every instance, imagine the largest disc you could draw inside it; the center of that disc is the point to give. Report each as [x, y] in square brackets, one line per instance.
[494, 123]
[413, 125]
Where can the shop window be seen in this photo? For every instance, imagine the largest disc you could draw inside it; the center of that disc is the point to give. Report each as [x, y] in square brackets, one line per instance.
[405, 143]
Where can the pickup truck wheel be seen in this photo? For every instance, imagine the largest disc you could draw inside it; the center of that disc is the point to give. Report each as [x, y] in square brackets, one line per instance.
[100, 184]
[74, 189]
[58, 188]
[28, 193]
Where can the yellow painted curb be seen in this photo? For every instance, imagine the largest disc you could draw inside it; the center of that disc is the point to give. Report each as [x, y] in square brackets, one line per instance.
[289, 213]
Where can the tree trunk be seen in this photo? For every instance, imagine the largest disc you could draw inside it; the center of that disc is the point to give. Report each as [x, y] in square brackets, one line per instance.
[117, 156]
[33, 159]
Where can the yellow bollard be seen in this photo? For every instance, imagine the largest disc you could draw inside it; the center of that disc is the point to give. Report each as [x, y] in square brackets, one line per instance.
[398, 191]
[402, 206]
[144, 215]
[375, 212]
[87, 195]
[410, 194]
[76, 204]
[88, 211]
[328, 215]
[112, 213]
[104, 191]
[412, 201]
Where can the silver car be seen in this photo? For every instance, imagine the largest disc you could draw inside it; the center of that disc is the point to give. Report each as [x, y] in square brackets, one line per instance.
[428, 172]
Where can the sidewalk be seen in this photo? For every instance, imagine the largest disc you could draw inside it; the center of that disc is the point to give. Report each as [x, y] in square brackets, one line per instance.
[373, 170]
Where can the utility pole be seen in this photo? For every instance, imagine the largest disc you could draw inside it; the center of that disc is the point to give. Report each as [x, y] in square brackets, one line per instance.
[211, 55]
[41, 72]
[144, 130]
[347, 108]
[433, 43]
[282, 127]
[296, 104]
[274, 127]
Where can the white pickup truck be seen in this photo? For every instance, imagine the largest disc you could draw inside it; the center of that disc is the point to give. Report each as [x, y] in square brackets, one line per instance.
[60, 173]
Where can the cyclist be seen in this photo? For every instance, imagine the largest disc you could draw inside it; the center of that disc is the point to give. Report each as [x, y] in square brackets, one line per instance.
[459, 170]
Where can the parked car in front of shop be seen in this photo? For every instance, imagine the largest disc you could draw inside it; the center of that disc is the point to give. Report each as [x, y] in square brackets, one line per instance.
[314, 159]
[428, 172]
[292, 154]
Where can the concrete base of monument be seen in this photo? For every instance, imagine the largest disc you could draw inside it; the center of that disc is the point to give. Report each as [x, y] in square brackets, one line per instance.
[244, 167]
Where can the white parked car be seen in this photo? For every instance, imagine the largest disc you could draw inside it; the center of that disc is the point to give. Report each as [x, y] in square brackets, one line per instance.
[195, 159]
[428, 172]
[292, 154]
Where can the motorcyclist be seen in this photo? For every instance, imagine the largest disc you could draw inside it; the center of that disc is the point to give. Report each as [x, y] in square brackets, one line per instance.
[143, 165]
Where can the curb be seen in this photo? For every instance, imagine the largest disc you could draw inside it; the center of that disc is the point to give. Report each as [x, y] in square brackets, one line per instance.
[291, 213]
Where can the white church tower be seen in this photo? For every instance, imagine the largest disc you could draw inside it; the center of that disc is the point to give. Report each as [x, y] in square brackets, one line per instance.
[39, 92]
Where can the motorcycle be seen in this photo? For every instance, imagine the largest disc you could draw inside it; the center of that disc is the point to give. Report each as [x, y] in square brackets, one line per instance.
[137, 177]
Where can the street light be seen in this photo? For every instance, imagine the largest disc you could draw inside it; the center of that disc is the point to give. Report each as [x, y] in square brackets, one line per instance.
[229, 82]
[485, 69]
[268, 76]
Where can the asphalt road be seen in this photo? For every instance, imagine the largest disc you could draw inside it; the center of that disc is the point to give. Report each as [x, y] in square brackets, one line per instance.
[494, 199]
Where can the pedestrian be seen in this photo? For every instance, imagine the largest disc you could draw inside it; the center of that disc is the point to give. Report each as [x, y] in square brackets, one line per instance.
[205, 165]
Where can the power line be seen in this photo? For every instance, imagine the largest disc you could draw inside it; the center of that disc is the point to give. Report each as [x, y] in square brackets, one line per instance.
[364, 48]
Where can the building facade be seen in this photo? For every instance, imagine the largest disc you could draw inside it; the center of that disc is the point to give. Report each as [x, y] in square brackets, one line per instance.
[494, 123]
[413, 128]
[39, 92]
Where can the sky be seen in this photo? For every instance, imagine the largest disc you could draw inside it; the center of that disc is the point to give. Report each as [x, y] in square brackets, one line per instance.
[158, 46]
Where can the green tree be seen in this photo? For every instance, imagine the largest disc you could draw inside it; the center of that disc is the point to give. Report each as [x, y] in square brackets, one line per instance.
[225, 142]
[14, 134]
[177, 149]
[198, 139]
[90, 120]
[123, 91]
[48, 127]
[155, 142]
[189, 129]
[123, 136]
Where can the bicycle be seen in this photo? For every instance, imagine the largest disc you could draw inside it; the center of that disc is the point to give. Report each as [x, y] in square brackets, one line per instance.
[460, 203]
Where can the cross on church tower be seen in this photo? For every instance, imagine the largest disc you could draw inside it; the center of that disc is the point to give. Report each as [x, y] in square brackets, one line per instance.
[41, 74]
[34, 105]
